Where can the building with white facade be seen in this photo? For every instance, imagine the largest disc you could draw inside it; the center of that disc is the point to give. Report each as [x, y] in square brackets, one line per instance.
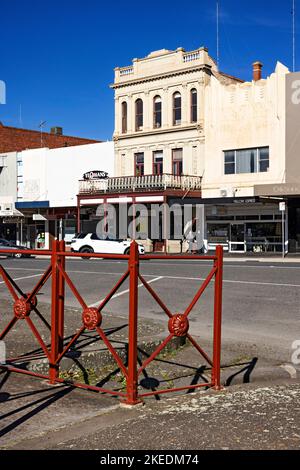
[187, 133]
[38, 190]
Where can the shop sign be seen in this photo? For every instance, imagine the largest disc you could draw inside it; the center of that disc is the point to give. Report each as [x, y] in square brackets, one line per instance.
[245, 201]
[277, 189]
[11, 220]
[282, 206]
[6, 213]
[38, 217]
[95, 175]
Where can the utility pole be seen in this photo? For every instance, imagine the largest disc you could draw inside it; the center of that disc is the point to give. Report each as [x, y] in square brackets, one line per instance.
[282, 208]
[42, 124]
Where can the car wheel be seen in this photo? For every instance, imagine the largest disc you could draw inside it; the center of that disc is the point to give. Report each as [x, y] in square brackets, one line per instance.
[127, 251]
[18, 255]
[86, 249]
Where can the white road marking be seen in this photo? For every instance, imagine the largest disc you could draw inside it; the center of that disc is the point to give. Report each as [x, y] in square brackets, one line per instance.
[205, 263]
[228, 265]
[113, 273]
[25, 277]
[201, 263]
[234, 282]
[126, 291]
[183, 278]
[290, 370]
[23, 269]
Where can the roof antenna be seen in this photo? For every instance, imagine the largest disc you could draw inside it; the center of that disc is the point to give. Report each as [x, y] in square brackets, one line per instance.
[41, 125]
[294, 35]
[20, 116]
[218, 35]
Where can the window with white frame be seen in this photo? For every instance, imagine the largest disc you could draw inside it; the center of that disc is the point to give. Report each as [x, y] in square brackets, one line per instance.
[139, 164]
[194, 100]
[177, 162]
[255, 160]
[139, 115]
[158, 159]
[176, 109]
[124, 117]
[157, 111]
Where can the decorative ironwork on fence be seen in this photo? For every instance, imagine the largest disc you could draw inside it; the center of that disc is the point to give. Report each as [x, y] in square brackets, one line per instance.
[25, 305]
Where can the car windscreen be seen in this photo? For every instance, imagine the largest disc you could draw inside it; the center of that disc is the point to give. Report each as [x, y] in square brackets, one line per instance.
[94, 236]
[81, 235]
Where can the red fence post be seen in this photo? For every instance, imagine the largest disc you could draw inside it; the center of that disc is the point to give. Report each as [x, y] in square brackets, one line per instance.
[216, 370]
[53, 367]
[132, 381]
[61, 297]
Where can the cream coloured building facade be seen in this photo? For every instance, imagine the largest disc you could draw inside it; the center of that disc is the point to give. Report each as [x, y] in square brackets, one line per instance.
[163, 75]
[228, 141]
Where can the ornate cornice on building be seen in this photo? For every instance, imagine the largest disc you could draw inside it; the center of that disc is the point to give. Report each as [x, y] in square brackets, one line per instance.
[167, 130]
[207, 68]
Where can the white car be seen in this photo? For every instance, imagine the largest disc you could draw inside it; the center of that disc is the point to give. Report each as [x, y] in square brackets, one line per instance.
[91, 243]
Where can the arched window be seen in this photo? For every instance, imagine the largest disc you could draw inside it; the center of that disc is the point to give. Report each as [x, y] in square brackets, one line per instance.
[124, 117]
[176, 108]
[194, 100]
[157, 111]
[139, 118]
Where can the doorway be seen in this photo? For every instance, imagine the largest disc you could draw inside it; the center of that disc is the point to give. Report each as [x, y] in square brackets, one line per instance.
[237, 242]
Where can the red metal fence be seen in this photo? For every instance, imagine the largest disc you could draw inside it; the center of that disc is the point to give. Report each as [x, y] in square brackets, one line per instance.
[25, 304]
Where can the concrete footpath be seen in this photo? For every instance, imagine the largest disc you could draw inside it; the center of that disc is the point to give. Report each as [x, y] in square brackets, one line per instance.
[36, 416]
[258, 409]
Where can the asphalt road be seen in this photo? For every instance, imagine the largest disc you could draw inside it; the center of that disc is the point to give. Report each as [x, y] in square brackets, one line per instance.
[260, 300]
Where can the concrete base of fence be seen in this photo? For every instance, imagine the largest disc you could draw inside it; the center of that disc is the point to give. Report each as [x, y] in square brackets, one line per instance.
[88, 361]
[91, 364]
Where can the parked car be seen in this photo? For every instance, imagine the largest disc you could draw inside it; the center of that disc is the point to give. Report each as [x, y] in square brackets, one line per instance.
[7, 245]
[91, 243]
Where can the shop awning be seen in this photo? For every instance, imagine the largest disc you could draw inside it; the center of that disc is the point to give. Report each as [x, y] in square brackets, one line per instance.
[11, 213]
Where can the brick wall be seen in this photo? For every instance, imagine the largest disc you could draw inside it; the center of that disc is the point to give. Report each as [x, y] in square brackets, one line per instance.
[13, 139]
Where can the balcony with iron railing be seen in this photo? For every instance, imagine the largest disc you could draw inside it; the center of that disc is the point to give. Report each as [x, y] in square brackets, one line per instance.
[144, 183]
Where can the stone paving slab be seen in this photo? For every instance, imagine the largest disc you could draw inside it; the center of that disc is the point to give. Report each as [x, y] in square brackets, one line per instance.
[31, 407]
[39, 416]
[242, 417]
[260, 418]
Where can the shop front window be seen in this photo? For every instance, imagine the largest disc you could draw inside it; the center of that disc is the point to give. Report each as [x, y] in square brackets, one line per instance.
[264, 237]
[218, 233]
[69, 230]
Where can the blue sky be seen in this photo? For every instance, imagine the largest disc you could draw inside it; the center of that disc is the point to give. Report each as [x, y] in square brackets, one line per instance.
[57, 56]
